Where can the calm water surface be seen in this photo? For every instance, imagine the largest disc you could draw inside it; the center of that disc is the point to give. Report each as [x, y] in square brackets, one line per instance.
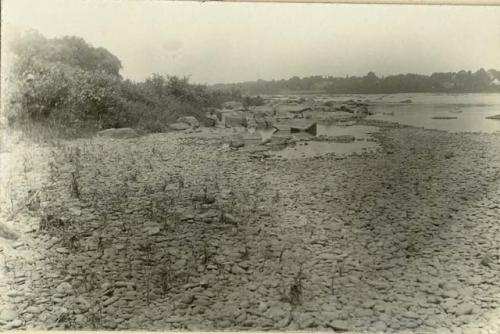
[468, 110]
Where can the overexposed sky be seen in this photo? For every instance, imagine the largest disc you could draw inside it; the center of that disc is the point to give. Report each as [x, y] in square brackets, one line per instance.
[230, 42]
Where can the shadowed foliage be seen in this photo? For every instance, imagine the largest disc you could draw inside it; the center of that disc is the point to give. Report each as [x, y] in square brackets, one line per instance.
[73, 88]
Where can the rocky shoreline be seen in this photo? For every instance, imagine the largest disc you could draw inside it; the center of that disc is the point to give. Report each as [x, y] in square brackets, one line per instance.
[178, 232]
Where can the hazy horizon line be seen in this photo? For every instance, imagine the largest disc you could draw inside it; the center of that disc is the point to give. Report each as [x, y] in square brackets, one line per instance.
[346, 76]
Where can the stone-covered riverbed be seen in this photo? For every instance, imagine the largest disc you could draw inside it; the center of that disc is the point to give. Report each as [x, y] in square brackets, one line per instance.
[176, 231]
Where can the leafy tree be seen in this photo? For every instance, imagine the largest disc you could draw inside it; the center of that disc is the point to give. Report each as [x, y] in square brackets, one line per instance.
[71, 51]
[463, 81]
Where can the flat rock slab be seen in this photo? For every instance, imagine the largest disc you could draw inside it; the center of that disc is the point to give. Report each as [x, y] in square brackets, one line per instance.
[344, 139]
[190, 120]
[179, 126]
[8, 232]
[339, 326]
[8, 315]
[120, 133]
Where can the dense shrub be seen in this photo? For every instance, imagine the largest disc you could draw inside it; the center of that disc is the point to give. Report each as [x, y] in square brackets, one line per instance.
[71, 97]
[67, 84]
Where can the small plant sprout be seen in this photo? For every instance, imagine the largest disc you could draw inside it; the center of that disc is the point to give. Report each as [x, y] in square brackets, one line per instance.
[340, 266]
[165, 277]
[74, 186]
[296, 289]
[276, 197]
[180, 184]
[332, 284]
[100, 245]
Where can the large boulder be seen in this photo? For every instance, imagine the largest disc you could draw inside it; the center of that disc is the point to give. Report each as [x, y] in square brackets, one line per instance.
[235, 121]
[192, 121]
[345, 108]
[264, 121]
[120, 133]
[7, 232]
[233, 105]
[179, 126]
[237, 142]
[293, 108]
[265, 110]
[211, 121]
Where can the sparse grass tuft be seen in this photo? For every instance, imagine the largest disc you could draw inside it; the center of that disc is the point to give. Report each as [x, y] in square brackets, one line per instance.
[74, 186]
[296, 289]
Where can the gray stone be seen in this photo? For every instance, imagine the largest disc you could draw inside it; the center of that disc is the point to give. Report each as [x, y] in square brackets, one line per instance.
[8, 315]
[230, 219]
[75, 211]
[187, 299]
[487, 260]
[106, 286]
[464, 308]
[368, 304]
[433, 300]
[237, 142]
[179, 126]
[192, 121]
[110, 300]
[379, 326]
[80, 319]
[64, 288]
[237, 270]
[233, 105]
[62, 250]
[152, 228]
[277, 312]
[449, 304]
[14, 324]
[365, 312]
[475, 280]
[339, 325]
[34, 310]
[450, 294]
[262, 307]
[411, 315]
[8, 232]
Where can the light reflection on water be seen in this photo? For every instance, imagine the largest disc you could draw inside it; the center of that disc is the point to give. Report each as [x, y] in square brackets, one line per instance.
[469, 118]
[470, 111]
[311, 148]
[317, 148]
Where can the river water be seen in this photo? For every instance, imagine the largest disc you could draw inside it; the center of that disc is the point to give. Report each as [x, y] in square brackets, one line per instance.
[448, 112]
[470, 111]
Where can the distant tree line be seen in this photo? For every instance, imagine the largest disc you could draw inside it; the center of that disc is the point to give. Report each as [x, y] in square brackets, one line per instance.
[68, 85]
[450, 82]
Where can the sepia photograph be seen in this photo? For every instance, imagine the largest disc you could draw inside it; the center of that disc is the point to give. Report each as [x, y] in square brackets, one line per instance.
[210, 166]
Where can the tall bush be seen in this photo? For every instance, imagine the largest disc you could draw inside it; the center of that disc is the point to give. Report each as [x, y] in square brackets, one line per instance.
[67, 83]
